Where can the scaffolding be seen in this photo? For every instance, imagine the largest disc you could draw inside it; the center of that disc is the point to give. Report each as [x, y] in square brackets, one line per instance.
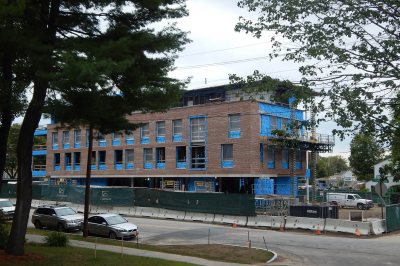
[305, 141]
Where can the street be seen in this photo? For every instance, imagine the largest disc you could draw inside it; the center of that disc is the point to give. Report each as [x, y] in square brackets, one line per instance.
[293, 248]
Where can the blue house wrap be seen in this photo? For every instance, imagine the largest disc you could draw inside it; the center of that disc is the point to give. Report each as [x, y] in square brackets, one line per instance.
[268, 110]
[263, 186]
[282, 185]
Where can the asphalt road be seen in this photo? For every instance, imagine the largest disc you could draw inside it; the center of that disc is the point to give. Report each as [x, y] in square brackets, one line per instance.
[293, 248]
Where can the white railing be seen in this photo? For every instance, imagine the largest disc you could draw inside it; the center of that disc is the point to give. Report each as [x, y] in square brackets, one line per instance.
[318, 138]
[306, 136]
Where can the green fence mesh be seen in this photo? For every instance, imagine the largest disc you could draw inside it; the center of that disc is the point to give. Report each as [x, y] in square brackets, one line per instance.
[393, 217]
[219, 203]
[230, 204]
[123, 197]
[8, 191]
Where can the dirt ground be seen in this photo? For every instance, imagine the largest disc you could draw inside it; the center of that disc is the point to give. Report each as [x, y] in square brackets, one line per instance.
[374, 212]
[18, 260]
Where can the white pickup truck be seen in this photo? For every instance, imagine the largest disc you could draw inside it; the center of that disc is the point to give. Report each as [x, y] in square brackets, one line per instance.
[349, 200]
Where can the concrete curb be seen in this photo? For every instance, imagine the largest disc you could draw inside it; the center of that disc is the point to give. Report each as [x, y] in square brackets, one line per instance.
[274, 257]
[269, 261]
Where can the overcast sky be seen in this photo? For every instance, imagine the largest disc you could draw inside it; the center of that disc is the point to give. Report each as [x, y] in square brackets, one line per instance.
[217, 50]
[214, 42]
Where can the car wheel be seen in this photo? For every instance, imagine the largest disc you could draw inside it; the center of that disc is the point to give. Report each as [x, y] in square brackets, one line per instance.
[360, 206]
[38, 225]
[60, 227]
[112, 235]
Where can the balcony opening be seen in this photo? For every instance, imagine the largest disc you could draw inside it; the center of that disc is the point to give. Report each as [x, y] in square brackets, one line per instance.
[39, 143]
[39, 163]
[68, 161]
[198, 157]
[57, 161]
[118, 159]
[77, 161]
[102, 160]
[160, 158]
[181, 157]
[93, 160]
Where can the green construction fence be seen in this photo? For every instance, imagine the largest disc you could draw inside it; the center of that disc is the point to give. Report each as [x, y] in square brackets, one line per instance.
[393, 217]
[218, 203]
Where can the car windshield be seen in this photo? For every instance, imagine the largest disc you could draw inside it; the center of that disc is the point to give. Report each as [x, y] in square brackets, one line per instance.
[116, 219]
[65, 211]
[5, 204]
[357, 197]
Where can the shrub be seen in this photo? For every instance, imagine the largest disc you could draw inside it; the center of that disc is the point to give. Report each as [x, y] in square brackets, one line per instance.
[4, 233]
[57, 239]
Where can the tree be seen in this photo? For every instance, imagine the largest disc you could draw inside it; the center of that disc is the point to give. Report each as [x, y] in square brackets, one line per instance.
[106, 113]
[11, 160]
[395, 139]
[113, 38]
[365, 153]
[349, 50]
[327, 166]
[13, 75]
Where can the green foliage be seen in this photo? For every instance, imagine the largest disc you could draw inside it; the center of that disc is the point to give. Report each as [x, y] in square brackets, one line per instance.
[257, 84]
[363, 189]
[384, 171]
[57, 239]
[4, 233]
[95, 62]
[365, 153]
[395, 139]
[103, 75]
[11, 158]
[349, 51]
[328, 166]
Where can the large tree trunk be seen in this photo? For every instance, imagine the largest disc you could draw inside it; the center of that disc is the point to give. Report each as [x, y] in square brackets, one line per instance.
[15, 245]
[87, 185]
[45, 27]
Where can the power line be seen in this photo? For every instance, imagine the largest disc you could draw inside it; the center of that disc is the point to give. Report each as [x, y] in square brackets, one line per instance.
[221, 50]
[223, 63]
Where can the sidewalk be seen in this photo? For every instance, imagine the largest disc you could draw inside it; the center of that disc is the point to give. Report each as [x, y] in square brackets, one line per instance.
[138, 252]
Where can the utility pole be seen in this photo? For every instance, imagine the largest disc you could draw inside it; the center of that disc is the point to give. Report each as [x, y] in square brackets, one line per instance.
[292, 152]
[313, 159]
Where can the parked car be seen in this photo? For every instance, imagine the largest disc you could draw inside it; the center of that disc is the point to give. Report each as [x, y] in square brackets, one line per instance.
[349, 200]
[62, 218]
[111, 225]
[7, 209]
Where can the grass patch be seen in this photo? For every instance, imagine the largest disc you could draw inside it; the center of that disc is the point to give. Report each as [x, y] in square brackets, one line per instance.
[220, 253]
[42, 255]
[211, 252]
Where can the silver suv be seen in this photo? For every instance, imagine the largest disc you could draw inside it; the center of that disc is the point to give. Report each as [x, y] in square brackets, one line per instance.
[62, 218]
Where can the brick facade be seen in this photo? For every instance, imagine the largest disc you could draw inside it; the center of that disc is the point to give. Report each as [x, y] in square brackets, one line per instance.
[246, 149]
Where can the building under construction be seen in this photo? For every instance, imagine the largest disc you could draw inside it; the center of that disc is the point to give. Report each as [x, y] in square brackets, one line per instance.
[219, 139]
